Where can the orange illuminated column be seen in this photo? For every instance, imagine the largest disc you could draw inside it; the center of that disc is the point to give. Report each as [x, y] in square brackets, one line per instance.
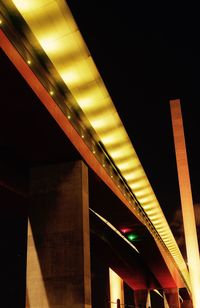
[148, 299]
[186, 201]
[116, 290]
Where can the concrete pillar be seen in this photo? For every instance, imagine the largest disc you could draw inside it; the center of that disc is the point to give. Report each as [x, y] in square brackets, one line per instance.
[58, 256]
[157, 298]
[166, 305]
[172, 298]
[116, 289]
[140, 297]
[128, 296]
[148, 303]
[100, 282]
[187, 303]
[189, 223]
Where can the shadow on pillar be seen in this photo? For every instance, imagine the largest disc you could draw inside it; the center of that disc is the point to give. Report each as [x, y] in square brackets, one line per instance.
[140, 298]
[13, 233]
[128, 296]
[186, 301]
[156, 299]
[100, 281]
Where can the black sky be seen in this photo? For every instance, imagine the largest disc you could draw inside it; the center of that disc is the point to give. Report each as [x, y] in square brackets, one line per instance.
[147, 54]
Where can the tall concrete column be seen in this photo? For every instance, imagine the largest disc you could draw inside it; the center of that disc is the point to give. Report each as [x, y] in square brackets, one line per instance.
[140, 298]
[189, 224]
[58, 256]
[172, 298]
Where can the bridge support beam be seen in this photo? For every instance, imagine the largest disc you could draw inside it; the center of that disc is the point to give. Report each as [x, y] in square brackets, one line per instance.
[172, 298]
[58, 257]
[140, 298]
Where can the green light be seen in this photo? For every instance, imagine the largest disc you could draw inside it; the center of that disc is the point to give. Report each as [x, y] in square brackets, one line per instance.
[132, 237]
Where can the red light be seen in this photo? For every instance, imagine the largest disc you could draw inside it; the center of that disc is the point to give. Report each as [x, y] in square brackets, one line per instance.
[125, 230]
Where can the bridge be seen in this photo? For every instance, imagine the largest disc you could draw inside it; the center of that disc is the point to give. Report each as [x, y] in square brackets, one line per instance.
[77, 207]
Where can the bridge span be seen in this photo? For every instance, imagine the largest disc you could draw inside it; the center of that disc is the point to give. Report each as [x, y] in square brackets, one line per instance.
[77, 206]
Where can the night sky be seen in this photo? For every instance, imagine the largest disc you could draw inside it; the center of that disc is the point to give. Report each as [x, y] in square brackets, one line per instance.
[148, 54]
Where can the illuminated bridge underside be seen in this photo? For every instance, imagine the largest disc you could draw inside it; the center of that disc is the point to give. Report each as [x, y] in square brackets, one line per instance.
[54, 50]
[38, 140]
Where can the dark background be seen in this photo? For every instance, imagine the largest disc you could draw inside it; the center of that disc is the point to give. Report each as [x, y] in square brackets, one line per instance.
[147, 54]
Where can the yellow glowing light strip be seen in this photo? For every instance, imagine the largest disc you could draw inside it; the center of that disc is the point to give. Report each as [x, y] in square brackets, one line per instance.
[55, 28]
